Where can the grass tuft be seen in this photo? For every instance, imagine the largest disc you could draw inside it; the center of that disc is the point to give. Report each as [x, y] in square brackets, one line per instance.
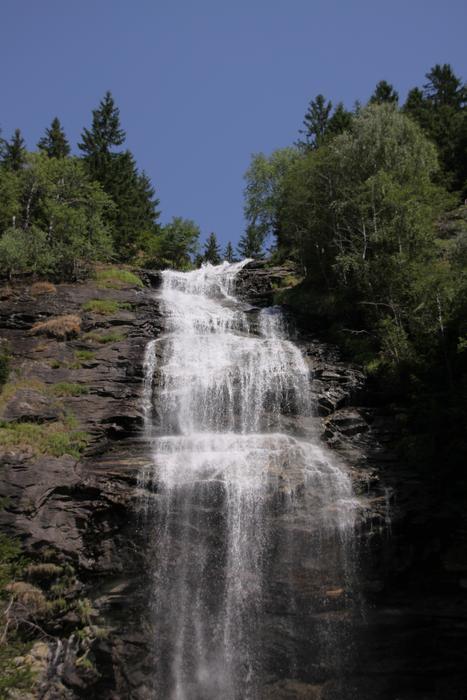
[62, 389]
[115, 278]
[104, 338]
[56, 439]
[104, 307]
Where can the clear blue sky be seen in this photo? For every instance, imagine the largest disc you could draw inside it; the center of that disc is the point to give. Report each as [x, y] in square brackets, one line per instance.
[202, 84]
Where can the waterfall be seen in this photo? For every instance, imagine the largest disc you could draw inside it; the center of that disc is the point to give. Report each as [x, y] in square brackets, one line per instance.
[250, 519]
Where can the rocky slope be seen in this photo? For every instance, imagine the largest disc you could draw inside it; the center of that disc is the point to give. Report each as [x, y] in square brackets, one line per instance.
[81, 513]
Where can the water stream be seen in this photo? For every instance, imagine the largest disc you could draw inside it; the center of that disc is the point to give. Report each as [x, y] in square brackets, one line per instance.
[250, 518]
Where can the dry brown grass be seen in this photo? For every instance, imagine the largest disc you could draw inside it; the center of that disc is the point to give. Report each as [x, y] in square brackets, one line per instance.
[60, 327]
[29, 596]
[6, 292]
[39, 288]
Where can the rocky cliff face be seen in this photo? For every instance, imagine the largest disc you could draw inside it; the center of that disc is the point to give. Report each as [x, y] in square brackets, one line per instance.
[412, 636]
[80, 514]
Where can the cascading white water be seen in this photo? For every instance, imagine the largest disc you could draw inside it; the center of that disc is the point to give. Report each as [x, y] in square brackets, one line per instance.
[234, 497]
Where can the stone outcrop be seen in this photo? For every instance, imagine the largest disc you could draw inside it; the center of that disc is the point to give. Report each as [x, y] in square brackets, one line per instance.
[82, 514]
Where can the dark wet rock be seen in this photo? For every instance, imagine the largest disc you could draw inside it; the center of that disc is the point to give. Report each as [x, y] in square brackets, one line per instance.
[410, 640]
[258, 281]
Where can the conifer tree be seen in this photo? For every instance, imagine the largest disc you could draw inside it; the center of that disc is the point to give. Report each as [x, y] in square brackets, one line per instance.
[340, 121]
[14, 152]
[444, 87]
[250, 244]
[54, 143]
[211, 250]
[441, 111]
[134, 218]
[105, 132]
[229, 253]
[384, 93]
[315, 122]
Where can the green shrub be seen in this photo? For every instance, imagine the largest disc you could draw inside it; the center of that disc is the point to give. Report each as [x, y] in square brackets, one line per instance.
[4, 363]
[115, 278]
[62, 389]
[105, 307]
[84, 355]
[11, 387]
[54, 439]
[104, 338]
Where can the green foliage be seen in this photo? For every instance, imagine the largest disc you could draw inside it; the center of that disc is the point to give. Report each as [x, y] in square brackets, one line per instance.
[229, 253]
[116, 278]
[212, 252]
[105, 132]
[12, 677]
[104, 307]
[84, 355]
[250, 244]
[11, 561]
[315, 122]
[10, 202]
[134, 216]
[441, 110]
[175, 245]
[263, 193]
[11, 387]
[4, 362]
[105, 338]
[62, 389]
[384, 93]
[54, 439]
[320, 124]
[59, 227]
[54, 143]
[14, 152]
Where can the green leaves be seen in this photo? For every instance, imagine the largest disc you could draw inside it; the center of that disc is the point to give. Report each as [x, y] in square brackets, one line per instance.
[58, 228]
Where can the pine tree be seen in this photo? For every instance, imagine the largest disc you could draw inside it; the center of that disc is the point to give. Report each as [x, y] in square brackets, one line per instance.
[250, 244]
[54, 143]
[134, 218]
[441, 111]
[229, 253]
[444, 87]
[340, 121]
[384, 93]
[315, 122]
[211, 250]
[105, 132]
[14, 152]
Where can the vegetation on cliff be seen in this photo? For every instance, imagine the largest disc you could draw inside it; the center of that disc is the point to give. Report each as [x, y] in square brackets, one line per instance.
[60, 214]
[369, 205]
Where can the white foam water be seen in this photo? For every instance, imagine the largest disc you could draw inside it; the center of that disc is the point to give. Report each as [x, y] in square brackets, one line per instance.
[220, 389]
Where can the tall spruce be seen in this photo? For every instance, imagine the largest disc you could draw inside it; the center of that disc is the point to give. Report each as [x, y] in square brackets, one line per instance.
[315, 122]
[54, 143]
[340, 121]
[211, 250]
[105, 132]
[384, 93]
[229, 253]
[14, 152]
[251, 243]
[134, 217]
[440, 108]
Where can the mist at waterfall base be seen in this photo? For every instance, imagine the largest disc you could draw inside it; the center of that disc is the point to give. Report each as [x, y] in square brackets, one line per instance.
[250, 520]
